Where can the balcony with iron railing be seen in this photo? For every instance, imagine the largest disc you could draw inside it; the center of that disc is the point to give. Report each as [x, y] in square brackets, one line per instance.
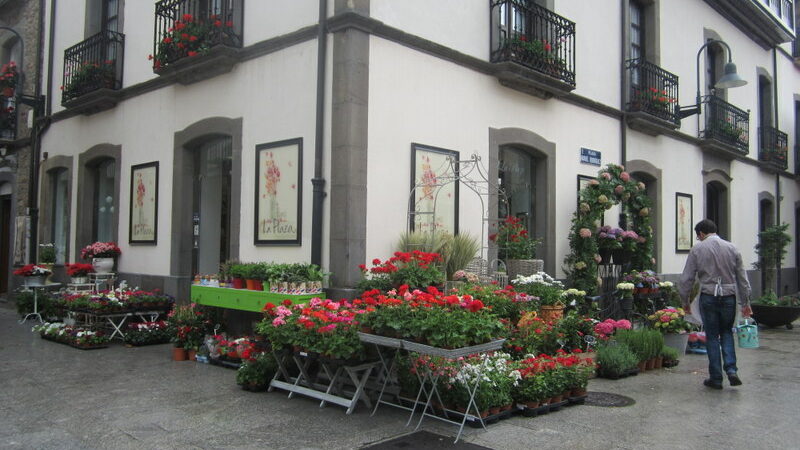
[653, 97]
[725, 127]
[773, 147]
[195, 39]
[536, 38]
[93, 72]
[768, 22]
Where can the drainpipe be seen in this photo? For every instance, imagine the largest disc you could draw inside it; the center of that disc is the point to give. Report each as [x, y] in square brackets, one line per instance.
[318, 182]
[777, 174]
[623, 128]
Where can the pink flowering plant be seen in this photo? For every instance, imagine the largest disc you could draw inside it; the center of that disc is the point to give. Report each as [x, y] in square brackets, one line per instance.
[101, 250]
[670, 320]
[605, 329]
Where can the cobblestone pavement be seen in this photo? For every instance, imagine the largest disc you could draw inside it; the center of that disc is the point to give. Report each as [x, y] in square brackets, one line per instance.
[54, 396]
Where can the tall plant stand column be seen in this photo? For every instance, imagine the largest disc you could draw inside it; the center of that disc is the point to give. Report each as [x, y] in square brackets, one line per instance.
[36, 290]
[332, 391]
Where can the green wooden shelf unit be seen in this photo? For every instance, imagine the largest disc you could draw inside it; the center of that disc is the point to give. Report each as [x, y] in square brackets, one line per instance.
[243, 299]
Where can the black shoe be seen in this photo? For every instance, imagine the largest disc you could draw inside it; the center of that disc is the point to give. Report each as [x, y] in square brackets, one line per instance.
[713, 385]
[734, 380]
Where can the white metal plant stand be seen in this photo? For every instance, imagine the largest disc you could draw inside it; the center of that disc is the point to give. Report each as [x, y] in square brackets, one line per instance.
[36, 290]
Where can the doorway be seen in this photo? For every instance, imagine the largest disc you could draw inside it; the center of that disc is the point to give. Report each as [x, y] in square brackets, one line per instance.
[516, 176]
[211, 205]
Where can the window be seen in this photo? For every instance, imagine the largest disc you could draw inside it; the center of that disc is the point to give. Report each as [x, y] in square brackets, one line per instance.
[59, 182]
[764, 102]
[517, 171]
[104, 204]
[717, 207]
[637, 31]
[715, 60]
[102, 15]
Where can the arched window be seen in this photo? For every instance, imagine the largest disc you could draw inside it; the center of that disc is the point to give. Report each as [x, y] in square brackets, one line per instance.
[98, 195]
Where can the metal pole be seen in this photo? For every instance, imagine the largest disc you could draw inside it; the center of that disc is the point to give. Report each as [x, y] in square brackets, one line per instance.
[318, 182]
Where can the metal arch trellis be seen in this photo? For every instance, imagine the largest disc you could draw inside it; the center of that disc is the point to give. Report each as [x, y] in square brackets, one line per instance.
[470, 173]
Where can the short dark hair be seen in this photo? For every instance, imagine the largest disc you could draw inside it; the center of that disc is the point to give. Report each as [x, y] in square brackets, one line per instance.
[705, 226]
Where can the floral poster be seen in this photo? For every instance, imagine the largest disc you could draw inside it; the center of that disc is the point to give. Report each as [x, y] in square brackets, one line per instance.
[434, 184]
[144, 204]
[278, 192]
[683, 222]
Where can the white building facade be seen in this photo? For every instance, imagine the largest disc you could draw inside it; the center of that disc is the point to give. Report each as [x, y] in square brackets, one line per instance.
[524, 86]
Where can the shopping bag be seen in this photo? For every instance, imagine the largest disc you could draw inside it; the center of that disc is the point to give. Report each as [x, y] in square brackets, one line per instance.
[747, 333]
[695, 318]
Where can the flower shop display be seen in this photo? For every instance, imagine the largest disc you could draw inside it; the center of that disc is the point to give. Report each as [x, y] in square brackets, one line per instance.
[117, 301]
[517, 248]
[191, 36]
[415, 269]
[147, 333]
[672, 323]
[615, 360]
[645, 343]
[187, 325]
[79, 273]
[78, 337]
[612, 186]
[34, 275]
[102, 255]
[548, 291]
[256, 372]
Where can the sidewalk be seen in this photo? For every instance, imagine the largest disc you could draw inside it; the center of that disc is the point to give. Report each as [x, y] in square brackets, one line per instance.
[54, 396]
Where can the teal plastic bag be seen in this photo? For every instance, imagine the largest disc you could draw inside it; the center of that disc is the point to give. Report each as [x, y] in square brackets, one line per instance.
[747, 333]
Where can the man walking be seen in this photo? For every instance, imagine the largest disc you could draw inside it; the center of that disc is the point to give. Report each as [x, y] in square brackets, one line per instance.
[718, 266]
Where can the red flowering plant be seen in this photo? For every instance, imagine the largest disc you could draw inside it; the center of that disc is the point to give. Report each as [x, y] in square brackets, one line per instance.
[416, 269]
[32, 270]
[188, 325]
[505, 302]
[191, 36]
[8, 79]
[513, 240]
[101, 250]
[90, 76]
[79, 270]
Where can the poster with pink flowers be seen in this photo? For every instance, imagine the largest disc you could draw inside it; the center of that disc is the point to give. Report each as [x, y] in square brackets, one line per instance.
[434, 189]
[143, 224]
[278, 192]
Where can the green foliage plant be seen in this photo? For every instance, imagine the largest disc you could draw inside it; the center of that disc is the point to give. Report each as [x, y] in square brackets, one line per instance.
[771, 249]
[615, 358]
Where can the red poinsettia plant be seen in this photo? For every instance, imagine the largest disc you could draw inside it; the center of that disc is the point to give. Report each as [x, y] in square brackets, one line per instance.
[79, 270]
[8, 78]
[101, 250]
[32, 270]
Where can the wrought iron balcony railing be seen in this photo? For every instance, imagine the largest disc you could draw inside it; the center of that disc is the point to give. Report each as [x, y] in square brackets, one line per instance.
[653, 90]
[8, 118]
[773, 147]
[190, 28]
[528, 34]
[93, 64]
[726, 123]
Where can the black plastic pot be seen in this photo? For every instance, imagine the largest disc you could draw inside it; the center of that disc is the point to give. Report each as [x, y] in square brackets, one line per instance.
[776, 316]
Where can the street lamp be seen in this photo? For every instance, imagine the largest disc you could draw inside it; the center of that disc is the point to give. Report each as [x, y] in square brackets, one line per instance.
[730, 79]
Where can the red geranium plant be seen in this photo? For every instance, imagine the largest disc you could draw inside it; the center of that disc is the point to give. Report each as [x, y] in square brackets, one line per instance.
[190, 36]
[79, 270]
[416, 269]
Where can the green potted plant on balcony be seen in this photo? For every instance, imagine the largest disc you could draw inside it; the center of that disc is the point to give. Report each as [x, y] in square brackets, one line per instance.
[730, 132]
[90, 76]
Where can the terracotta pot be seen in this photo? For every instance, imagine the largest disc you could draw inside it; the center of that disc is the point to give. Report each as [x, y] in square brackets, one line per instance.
[550, 313]
[650, 364]
[251, 284]
[659, 362]
[257, 285]
[532, 405]
[238, 283]
[178, 354]
[191, 355]
[505, 407]
[494, 410]
[642, 366]
[555, 399]
[578, 392]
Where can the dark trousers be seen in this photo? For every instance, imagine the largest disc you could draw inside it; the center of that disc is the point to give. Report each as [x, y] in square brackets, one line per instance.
[719, 313]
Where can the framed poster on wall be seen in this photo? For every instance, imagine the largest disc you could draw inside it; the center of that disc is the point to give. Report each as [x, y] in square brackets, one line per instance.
[683, 222]
[278, 205]
[434, 189]
[144, 204]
